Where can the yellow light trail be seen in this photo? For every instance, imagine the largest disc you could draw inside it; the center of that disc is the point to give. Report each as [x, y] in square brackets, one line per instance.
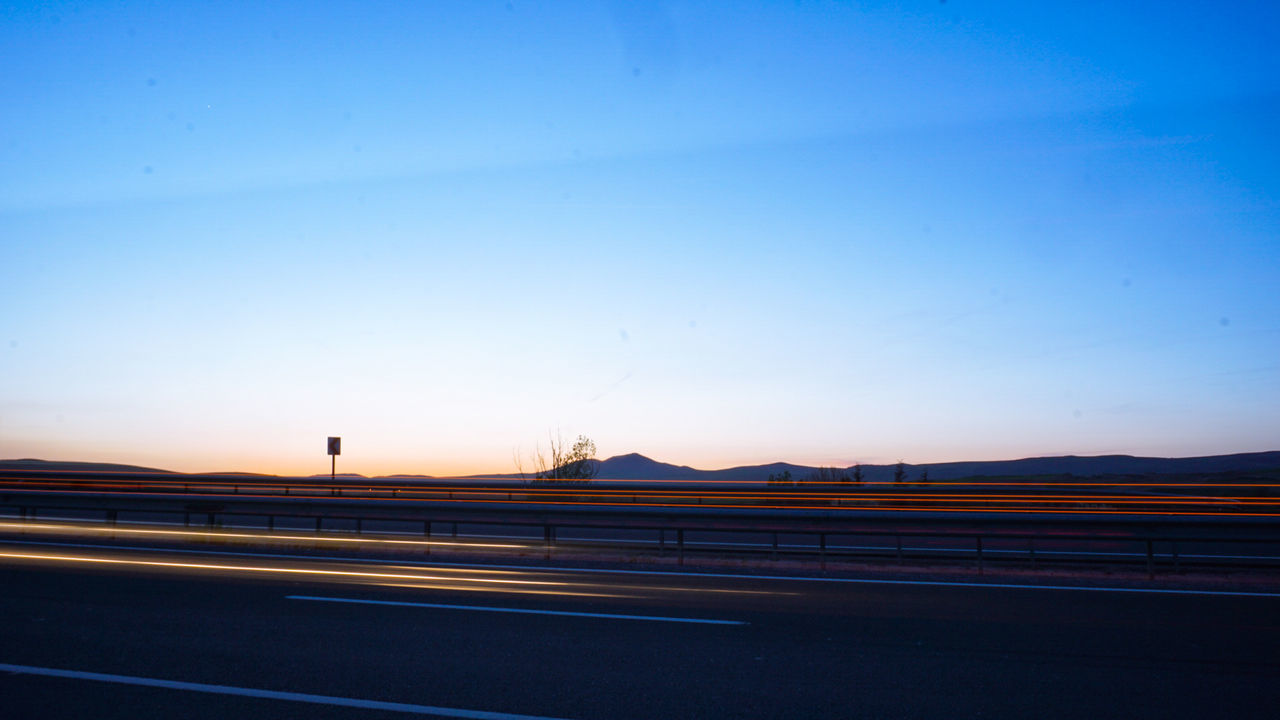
[379, 576]
[430, 586]
[424, 579]
[119, 530]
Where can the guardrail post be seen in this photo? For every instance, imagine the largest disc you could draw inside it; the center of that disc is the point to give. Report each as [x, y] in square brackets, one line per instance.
[546, 539]
[271, 523]
[775, 546]
[359, 525]
[318, 524]
[680, 543]
[980, 566]
[455, 528]
[210, 520]
[1151, 561]
[186, 519]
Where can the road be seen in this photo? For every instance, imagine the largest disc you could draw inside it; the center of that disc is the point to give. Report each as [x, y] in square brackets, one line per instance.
[333, 637]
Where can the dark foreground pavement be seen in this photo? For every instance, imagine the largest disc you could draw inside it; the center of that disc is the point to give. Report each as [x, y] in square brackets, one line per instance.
[798, 648]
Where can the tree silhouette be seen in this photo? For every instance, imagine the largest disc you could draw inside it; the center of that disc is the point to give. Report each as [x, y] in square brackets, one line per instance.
[900, 473]
[829, 475]
[566, 463]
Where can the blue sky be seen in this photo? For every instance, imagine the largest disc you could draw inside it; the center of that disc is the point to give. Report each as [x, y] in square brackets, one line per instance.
[814, 232]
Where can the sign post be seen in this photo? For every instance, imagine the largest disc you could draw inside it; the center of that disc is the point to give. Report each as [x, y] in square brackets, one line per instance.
[335, 449]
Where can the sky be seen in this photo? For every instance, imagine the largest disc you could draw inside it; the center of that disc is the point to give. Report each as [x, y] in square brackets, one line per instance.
[715, 234]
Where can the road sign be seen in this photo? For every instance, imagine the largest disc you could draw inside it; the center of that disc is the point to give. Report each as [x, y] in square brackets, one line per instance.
[335, 446]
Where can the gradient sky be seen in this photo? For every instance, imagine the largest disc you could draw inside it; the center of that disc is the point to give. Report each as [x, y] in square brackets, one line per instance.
[813, 232]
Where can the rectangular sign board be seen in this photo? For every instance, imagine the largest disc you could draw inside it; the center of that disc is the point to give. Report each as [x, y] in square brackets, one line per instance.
[335, 446]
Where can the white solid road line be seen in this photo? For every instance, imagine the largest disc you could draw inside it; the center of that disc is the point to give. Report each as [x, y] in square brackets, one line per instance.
[484, 608]
[270, 694]
[664, 573]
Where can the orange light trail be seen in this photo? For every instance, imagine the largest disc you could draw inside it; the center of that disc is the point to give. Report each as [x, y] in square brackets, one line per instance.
[913, 496]
[380, 484]
[828, 508]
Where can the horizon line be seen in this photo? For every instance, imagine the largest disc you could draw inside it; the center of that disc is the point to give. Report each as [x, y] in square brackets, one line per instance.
[650, 459]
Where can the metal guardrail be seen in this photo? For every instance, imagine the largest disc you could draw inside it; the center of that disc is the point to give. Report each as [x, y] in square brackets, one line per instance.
[1229, 500]
[1154, 538]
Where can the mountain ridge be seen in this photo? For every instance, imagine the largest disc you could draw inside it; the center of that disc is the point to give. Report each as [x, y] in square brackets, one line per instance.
[635, 466]
[1085, 466]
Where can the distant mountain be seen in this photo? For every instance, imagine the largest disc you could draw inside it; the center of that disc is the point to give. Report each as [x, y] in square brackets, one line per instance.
[634, 466]
[68, 466]
[639, 467]
[1103, 465]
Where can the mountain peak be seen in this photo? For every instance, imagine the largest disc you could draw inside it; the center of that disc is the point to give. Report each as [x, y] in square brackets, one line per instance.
[632, 457]
[636, 466]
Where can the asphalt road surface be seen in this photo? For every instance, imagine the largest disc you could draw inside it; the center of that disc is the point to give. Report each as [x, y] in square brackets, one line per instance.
[112, 633]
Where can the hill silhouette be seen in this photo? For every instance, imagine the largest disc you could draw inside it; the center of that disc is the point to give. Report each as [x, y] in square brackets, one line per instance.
[638, 467]
[634, 466]
[73, 466]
